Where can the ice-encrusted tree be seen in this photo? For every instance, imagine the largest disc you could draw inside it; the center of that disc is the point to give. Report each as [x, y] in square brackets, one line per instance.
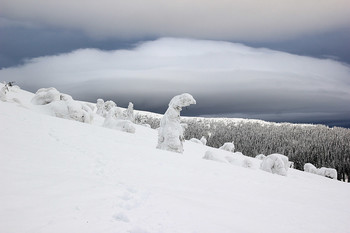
[130, 112]
[170, 132]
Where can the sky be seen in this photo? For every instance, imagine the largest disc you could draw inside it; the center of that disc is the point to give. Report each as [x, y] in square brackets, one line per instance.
[271, 60]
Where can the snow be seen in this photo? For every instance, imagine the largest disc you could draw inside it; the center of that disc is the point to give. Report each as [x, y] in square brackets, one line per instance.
[170, 132]
[61, 175]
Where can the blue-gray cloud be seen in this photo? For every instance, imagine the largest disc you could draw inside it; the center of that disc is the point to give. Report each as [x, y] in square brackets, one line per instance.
[225, 78]
[221, 19]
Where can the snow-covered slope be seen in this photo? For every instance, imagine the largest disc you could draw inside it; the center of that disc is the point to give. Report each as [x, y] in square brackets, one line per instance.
[60, 175]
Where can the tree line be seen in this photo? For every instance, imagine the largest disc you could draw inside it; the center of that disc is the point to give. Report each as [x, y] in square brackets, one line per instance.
[317, 144]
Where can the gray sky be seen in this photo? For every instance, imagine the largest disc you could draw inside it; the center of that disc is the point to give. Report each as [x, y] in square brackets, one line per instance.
[226, 78]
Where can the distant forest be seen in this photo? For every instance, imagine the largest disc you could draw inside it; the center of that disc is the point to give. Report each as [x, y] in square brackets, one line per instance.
[316, 144]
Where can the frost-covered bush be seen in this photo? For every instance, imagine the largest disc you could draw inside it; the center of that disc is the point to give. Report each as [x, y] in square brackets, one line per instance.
[100, 105]
[104, 107]
[170, 132]
[45, 96]
[309, 167]
[130, 113]
[203, 140]
[328, 172]
[323, 171]
[275, 163]
[113, 122]
[3, 92]
[68, 108]
[228, 146]
[8, 86]
[109, 104]
[260, 156]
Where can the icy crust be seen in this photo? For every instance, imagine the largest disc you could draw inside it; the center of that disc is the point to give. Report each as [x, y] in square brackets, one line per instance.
[170, 132]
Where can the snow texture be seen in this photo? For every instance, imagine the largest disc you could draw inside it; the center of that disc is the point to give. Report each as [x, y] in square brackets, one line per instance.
[228, 146]
[170, 132]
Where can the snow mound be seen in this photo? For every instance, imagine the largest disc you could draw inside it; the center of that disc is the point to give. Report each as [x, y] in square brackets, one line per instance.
[46, 95]
[276, 164]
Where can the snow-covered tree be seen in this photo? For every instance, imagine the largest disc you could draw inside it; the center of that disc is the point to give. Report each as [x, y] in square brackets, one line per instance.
[228, 146]
[203, 140]
[46, 95]
[327, 172]
[170, 132]
[70, 109]
[100, 105]
[309, 167]
[113, 121]
[130, 112]
[275, 163]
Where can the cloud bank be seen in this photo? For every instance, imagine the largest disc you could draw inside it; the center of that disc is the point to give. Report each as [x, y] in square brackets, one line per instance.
[225, 78]
[205, 19]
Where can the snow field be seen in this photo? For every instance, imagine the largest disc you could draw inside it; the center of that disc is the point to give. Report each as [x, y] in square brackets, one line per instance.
[60, 175]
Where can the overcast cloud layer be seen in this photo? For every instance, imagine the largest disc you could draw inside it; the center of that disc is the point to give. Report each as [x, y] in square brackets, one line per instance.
[225, 78]
[220, 19]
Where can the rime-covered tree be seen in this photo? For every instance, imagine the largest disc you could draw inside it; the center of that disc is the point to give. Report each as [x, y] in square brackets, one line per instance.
[170, 132]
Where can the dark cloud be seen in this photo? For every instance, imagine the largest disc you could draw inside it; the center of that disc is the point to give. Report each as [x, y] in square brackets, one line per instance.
[267, 20]
[226, 79]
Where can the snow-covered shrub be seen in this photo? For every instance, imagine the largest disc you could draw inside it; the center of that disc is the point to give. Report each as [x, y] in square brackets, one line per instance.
[328, 172]
[104, 107]
[203, 140]
[170, 132]
[113, 122]
[68, 108]
[8, 86]
[228, 146]
[260, 156]
[109, 104]
[45, 96]
[130, 112]
[275, 163]
[100, 105]
[309, 167]
[3, 93]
